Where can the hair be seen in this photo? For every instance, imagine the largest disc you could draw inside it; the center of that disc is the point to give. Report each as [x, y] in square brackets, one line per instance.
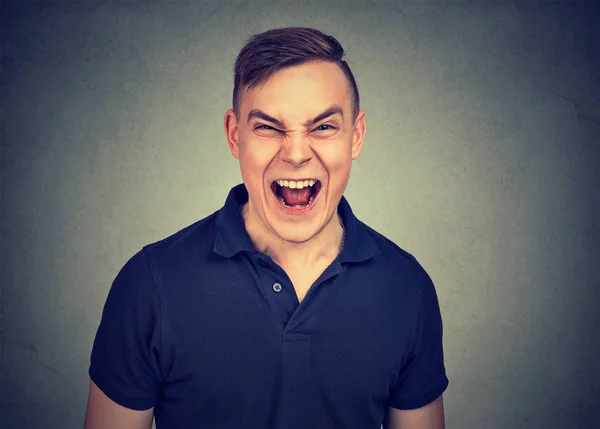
[268, 52]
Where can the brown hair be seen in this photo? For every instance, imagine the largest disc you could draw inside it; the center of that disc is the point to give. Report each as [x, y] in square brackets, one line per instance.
[266, 53]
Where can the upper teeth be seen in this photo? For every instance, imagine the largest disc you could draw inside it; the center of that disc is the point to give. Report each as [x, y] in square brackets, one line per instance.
[296, 184]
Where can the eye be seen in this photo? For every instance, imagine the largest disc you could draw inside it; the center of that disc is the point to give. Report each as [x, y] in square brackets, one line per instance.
[266, 130]
[325, 127]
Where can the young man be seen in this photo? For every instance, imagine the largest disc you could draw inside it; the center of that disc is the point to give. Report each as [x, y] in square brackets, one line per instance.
[281, 310]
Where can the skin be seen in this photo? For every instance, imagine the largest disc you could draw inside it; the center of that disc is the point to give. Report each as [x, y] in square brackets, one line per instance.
[292, 145]
[430, 416]
[103, 413]
[275, 136]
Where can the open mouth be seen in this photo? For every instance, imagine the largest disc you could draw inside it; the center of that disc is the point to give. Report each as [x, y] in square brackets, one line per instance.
[296, 194]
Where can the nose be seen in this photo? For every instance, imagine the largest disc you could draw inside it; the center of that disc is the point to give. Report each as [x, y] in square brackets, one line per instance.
[296, 150]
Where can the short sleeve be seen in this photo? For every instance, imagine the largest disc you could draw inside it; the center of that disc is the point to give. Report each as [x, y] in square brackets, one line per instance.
[125, 359]
[423, 376]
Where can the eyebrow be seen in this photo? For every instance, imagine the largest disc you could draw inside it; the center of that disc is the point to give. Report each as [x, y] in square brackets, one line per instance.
[333, 110]
[257, 113]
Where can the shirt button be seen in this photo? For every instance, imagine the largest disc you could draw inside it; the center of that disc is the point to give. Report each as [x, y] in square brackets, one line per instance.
[277, 287]
[262, 262]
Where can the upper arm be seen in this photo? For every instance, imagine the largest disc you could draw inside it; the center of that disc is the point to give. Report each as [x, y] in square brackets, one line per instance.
[104, 413]
[125, 363]
[431, 416]
[422, 374]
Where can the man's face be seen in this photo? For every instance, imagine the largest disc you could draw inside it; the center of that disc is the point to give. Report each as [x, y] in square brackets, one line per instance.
[295, 138]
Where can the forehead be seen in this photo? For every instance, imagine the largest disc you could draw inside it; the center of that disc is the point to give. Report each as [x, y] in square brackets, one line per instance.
[299, 92]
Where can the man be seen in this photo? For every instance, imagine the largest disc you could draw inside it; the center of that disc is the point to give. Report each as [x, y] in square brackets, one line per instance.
[281, 310]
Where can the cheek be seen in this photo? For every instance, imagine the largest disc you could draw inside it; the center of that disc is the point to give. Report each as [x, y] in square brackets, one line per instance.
[255, 158]
[257, 154]
[335, 156]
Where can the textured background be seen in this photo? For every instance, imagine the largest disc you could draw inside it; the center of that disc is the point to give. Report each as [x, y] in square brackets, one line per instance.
[481, 158]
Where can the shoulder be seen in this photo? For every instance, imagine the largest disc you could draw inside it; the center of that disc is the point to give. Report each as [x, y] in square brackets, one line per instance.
[176, 254]
[184, 246]
[200, 234]
[391, 256]
[395, 273]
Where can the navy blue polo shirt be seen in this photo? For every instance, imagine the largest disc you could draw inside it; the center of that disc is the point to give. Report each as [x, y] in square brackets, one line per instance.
[209, 332]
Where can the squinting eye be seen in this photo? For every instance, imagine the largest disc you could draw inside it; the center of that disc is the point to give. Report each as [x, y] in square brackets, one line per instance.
[264, 127]
[324, 127]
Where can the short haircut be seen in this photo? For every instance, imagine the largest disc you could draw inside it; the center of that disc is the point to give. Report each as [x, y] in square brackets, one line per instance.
[268, 52]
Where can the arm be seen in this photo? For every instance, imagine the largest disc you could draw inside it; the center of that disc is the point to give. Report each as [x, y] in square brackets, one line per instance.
[103, 413]
[125, 358]
[431, 416]
[416, 400]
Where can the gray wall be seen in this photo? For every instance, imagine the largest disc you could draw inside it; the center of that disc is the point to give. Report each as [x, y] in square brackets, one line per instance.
[481, 158]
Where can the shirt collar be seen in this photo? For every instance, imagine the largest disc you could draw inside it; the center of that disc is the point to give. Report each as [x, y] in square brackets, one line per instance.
[358, 244]
[232, 238]
[231, 235]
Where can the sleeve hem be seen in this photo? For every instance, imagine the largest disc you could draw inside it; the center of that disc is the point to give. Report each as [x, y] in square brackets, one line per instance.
[117, 397]
[422, 400]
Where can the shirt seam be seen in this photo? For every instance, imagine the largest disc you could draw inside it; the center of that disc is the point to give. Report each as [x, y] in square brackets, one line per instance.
[160, 307]
[414, 334]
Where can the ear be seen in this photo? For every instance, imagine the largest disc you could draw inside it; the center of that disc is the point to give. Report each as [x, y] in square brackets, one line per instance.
[358, 134]
[231, 132]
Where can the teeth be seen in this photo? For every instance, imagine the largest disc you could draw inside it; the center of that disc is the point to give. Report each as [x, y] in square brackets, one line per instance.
[296, 184]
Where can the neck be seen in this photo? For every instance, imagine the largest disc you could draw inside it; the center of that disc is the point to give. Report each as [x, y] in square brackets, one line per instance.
[323, 247]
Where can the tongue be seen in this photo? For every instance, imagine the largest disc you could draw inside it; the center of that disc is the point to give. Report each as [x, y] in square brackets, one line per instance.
[296, 197]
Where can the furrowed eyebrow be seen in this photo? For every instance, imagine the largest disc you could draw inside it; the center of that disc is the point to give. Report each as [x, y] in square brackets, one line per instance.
[333, 110]
[256, 113]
